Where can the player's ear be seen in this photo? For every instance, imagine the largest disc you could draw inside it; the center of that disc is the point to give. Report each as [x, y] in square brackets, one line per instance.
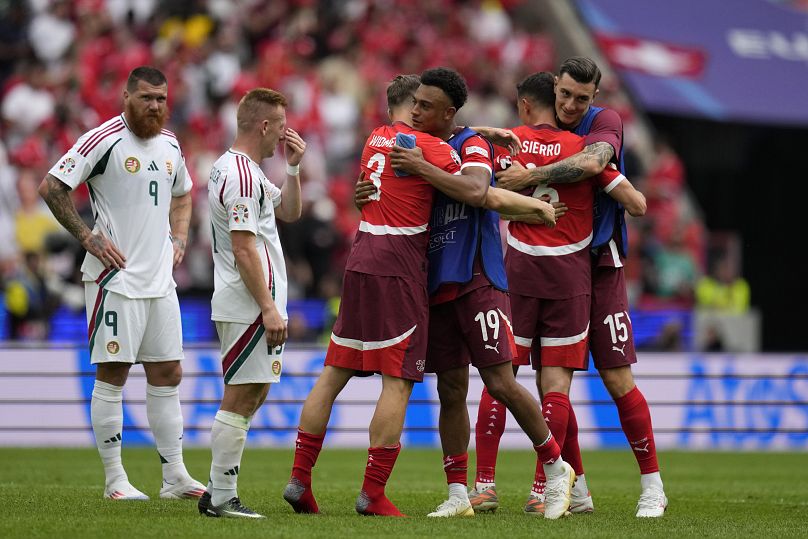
[597, 91]
[450, 112]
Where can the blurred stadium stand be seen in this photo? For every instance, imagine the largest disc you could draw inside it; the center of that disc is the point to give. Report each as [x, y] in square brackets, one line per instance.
[62, 68]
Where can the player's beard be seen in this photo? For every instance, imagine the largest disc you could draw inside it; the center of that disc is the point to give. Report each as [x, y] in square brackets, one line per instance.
[147, 124]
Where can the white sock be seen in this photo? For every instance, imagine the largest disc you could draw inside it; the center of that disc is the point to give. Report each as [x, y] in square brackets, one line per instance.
[165, 419]
[227, 439]
[580, 488]
[479, 487]
[553, 469]
[651, 480]
[458, 490]
[106, 416]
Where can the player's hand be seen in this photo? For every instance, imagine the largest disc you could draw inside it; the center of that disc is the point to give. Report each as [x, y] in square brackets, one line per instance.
[560, 209]
[514, 178]
[179, 250]
[544, 214]
[505, 138]
[104, 250]
[406, 159]
[274, 326]
[294, 145]
[363, 190]
[547, 213]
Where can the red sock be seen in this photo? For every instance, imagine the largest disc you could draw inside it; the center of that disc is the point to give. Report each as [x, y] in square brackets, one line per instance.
[307, 449]
[298, 492]
[571, 452]
[372, 500]
[635, 417]
[556, 409]
[491, 416]
[456, 468]
[547, 453]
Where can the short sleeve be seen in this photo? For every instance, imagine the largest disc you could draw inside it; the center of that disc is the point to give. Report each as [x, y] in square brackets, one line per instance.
[606, 127]
[476, 152]
[274, 194]
[74, 167]
[182, 180]
[241, 198]
[608, 179]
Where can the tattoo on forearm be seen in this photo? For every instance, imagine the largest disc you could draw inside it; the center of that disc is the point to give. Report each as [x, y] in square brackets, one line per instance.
[179, 215]
[565, 173]
[62, 207]
[602, 151]
[572, 169]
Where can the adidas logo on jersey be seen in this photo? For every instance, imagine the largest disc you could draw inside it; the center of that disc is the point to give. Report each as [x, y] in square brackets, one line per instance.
[153, 167]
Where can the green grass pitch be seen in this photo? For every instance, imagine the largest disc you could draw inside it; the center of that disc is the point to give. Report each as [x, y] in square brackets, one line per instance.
[58, 493]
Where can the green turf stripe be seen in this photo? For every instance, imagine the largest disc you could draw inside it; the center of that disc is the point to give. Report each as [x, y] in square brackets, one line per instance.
[244, 355]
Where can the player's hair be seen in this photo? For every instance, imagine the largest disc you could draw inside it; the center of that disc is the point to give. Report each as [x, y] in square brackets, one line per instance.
[538, 87]
[401, 89]
[581, 69]
[448, 80]
[250, 105]
[148, 74]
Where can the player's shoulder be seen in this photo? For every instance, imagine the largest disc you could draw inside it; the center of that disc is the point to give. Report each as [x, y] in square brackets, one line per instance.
[170, 138]
[477, 147]
[607, 118]
[101, 136]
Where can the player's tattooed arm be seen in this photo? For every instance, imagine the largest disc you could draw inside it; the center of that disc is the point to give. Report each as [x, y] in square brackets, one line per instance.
[179, 218]
[57, 196]
[584, 164]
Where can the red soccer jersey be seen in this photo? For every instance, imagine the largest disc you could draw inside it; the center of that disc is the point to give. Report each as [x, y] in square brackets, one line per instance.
[393, 234]
[553, 263]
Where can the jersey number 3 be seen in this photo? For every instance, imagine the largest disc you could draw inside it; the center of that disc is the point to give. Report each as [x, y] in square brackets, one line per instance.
[376, 163]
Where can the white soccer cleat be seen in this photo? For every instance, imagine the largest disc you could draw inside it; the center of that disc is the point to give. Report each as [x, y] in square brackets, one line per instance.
[123, 491]
[453, 507]
[557, 493]
[184, 489]
[581, 500]
[652, 504]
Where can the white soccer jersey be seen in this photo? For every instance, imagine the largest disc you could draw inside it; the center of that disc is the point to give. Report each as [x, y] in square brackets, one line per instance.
[131, 182]
[242, 198]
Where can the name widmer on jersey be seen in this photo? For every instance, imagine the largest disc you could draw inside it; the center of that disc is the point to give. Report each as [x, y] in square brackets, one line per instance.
[381, 142]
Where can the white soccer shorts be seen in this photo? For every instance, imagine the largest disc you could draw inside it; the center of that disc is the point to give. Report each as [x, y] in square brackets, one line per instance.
[130, 330]
[246, 357]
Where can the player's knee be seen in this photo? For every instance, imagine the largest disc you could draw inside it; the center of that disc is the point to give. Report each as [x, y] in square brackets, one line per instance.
[500, 388]
[164, 374]
[618, 381]
[453, 386]
[115, 374]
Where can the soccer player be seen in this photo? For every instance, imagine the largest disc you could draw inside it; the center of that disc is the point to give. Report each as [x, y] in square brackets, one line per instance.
[470, 313]
[549, 274]
[382, 323]
[249, 297]
[140, 194]
[611, 339]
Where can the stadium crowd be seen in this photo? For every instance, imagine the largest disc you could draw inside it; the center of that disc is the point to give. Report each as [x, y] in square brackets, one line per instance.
[63, 63]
